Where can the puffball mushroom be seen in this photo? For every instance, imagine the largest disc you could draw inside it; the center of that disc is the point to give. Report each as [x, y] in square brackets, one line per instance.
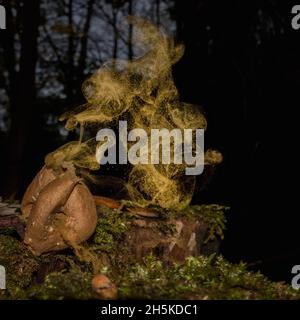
[104, 288]
[59, 211]
[44, 177]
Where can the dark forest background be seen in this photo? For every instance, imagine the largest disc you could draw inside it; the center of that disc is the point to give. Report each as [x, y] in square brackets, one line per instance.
[242, 64]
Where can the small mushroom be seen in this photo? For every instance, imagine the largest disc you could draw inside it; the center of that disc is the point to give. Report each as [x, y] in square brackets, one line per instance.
[104, 288]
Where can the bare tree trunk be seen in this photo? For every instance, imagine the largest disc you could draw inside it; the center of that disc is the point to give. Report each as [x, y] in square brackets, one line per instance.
[9, 54]
[130, 31]
[71, 52]
[84, 41]
[116, 32]
[23, 97]
[157, 12]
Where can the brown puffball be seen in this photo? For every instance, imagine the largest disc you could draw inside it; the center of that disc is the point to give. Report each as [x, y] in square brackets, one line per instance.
[104, 288]
[44, 177]
[60, 211]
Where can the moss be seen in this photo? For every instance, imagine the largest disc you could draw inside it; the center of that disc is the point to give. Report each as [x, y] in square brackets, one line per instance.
[64, 285]
[20, 266]
[196, 278]
[19, 263]
[113, 224]
[111, 228]
[8, 232]
[212, 215]
[199, 278]
[72, 284]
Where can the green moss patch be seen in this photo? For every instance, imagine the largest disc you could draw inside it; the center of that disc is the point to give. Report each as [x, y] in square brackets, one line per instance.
[199, 278]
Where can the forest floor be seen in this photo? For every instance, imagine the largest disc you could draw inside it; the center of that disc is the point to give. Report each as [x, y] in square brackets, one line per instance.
[170, 256]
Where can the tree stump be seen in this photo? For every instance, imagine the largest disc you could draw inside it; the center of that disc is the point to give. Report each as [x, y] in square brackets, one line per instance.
[188, 239]
[135, 233]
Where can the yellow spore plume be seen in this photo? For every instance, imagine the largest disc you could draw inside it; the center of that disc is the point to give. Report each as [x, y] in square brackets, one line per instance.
[143, 92]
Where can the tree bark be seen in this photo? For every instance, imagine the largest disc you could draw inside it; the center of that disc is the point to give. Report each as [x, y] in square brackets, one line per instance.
[84, 41]
[9, 54]
[157, 12]
[23, 95]
[189, 239]
[130, 31]
[116, 33]
[71, 52]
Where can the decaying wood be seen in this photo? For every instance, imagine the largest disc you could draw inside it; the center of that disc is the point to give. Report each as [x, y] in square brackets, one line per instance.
[9, 209]
[143, 212]
[13, 222]
[188, 239]
[171, 239]
[9, 217]
[115, 204]
[107, 202]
